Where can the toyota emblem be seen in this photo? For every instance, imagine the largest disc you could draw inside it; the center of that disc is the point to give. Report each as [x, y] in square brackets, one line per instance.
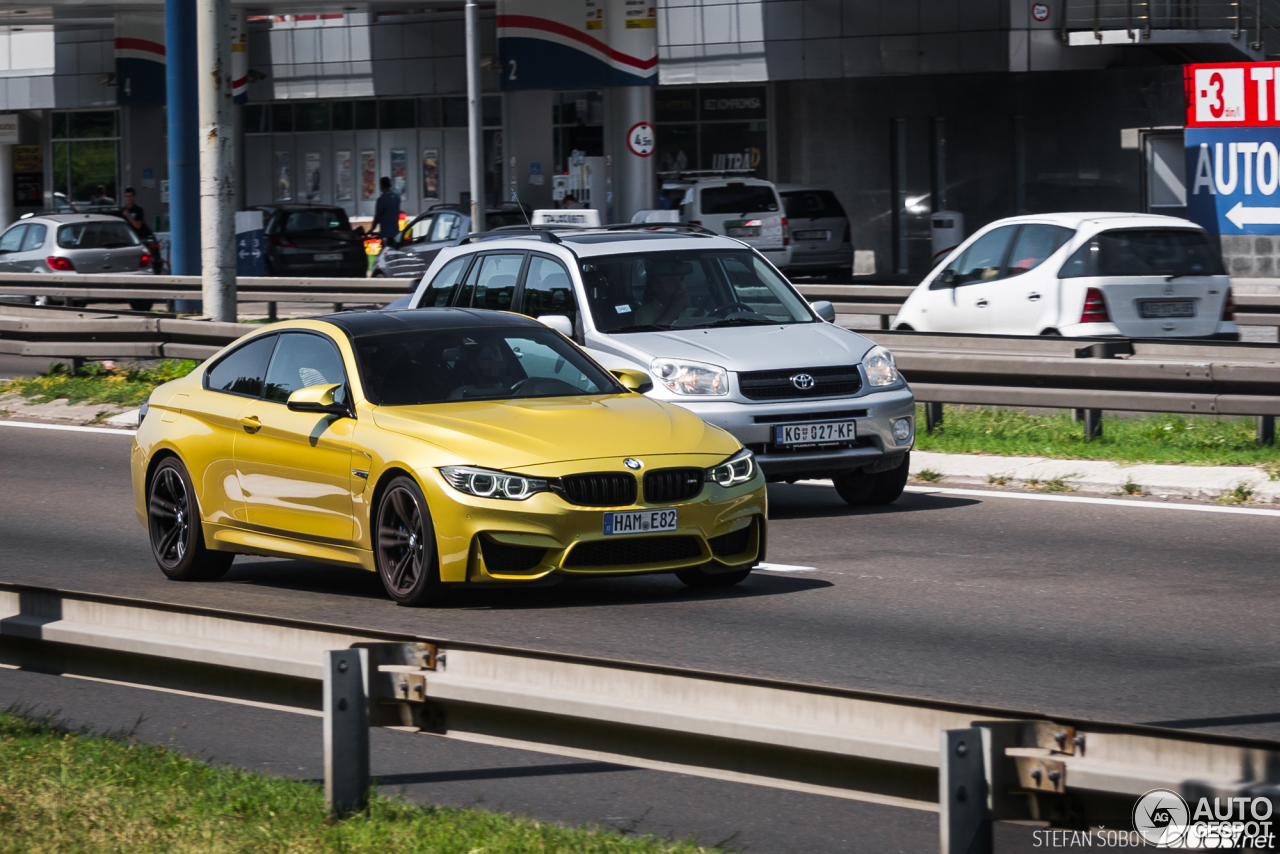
[804, 382]
[632, 464]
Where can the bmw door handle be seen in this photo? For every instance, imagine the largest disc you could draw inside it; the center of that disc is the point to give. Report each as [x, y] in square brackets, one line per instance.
[982, 303]
[1033, 296]
[250, 423]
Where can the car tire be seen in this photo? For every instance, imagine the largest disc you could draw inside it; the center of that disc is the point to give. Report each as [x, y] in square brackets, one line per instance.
[700, 577]
[378, 274]
[140, 304]
[873, 490]
[405, 545]
[173, 522]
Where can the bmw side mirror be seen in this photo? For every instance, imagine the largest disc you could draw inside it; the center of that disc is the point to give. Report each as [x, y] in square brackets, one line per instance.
[637, 381]
[824, 309]
[318, 398]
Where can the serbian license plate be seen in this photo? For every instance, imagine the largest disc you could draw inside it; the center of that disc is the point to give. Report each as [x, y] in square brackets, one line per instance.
[1167, 308]
[822, 433]
[743, 231]
[639, 522]
[329, 256]
[813, 235]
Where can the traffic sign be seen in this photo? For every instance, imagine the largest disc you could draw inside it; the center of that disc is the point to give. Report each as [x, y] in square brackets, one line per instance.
[641, 139]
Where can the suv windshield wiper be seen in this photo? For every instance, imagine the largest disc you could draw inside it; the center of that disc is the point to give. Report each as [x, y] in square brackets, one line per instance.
[643, 327]
[735, 321]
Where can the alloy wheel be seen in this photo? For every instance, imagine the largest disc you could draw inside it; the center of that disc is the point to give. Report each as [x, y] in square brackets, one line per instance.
[401, 540]
[169, 511]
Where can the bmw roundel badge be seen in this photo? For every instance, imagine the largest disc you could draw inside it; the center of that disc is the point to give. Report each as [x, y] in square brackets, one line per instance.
[632, 464]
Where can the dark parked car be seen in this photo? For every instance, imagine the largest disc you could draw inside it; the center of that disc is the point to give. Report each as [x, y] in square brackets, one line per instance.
[311, 240]
[442, 225]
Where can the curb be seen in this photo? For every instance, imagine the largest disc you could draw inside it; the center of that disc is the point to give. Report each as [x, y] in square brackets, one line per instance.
[1099, 477]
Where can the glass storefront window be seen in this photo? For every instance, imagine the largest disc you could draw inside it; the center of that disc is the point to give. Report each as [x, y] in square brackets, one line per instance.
[343, 116]
[428, 112]
[86, 159]
[256, 119]
[491, 111]
[59, 125]
[282, 118]
[310, 117]
[93, 124]
[455, 112]
[366, 115]
[713, 127]
[397, 113]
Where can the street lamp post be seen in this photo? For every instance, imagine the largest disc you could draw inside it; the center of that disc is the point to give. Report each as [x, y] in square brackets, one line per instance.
[217, 149]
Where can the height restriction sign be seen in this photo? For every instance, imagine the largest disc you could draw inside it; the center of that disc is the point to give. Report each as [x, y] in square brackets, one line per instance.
[640, 139]
[1233, 147]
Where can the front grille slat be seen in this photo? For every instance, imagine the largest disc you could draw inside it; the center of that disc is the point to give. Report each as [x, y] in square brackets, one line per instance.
[777, 385]
[663, 486]
[598, 489]
[633, 551]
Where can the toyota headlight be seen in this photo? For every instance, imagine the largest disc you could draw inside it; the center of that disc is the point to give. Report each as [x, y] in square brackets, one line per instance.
[487, 483]
[682, 377]
[881, 370]
[739, 468]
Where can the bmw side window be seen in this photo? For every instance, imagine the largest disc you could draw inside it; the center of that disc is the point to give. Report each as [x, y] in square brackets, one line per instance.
[11, 240]
[1035, 243]
[302, 360]
[241, 371]
[441, 287]
[35, 237]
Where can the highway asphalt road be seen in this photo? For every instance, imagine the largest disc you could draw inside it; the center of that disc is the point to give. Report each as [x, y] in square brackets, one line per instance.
[1128, 613]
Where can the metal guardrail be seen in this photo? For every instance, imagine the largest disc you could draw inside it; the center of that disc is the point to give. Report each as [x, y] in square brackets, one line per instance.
[124, 288]
[972, 764]
[134, 337]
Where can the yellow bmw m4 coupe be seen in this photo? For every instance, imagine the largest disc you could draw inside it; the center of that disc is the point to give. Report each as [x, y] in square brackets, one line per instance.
[438, 447]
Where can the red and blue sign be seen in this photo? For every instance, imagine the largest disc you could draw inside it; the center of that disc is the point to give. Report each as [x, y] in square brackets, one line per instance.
[1233, 147]
[576, 44]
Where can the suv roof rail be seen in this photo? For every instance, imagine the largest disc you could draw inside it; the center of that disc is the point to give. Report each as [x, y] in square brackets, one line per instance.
[511, 232]
[679, 227]
[707, 173]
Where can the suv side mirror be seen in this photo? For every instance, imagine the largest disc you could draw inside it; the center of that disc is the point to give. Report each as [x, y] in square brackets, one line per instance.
[947, 277]
[559, 322]
[318, 398]
[637, 381]
[824, 309]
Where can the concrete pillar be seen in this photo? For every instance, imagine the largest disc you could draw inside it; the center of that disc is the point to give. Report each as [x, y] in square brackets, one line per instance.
[634, 184]
[184, 149]
[6, 185]
[217, 180]
[528, 122]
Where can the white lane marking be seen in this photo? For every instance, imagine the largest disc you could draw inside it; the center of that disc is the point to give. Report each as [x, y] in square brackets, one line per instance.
[783, 567]
[69, 428]
[1079, 499]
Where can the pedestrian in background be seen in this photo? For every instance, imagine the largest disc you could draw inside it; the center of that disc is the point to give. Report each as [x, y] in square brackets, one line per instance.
[134, 215]
[386, 214]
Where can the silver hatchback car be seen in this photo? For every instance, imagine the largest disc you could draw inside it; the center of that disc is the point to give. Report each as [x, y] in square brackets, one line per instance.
[716, 329]
[72, 243]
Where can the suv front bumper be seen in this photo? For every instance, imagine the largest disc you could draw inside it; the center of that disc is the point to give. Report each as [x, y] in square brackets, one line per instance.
[875, 448]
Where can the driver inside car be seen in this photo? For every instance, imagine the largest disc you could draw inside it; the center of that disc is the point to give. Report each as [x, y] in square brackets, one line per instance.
[487, 369]
[665, 295]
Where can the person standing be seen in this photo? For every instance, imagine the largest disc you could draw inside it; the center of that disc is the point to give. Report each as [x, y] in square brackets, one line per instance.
[386, 213]
[134, 214]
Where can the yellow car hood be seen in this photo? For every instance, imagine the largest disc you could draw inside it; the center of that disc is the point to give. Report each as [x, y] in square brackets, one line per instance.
[508, 434]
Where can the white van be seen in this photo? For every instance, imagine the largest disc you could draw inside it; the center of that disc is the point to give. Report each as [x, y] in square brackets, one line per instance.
[749, 209]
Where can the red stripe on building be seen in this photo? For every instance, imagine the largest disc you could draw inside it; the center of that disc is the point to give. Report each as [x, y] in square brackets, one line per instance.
[123, 43]
[528, 22]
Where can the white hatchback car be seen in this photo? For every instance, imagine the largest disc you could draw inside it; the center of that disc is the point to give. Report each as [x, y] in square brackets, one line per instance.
[1079, 274]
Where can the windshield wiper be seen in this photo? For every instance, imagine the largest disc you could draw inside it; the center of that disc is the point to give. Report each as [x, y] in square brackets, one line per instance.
[736, 321]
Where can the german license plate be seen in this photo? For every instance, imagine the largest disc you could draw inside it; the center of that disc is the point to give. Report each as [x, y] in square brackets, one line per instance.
[813, 235]
[743, 231]
[639, 522]
[1167, 308]
[820, 433]
[329, 256]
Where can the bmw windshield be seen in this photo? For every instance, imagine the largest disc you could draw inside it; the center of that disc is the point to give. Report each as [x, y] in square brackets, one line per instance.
[688, 290]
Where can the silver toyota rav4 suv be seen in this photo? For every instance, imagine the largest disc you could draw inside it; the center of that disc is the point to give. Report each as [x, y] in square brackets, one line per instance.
[717, 329]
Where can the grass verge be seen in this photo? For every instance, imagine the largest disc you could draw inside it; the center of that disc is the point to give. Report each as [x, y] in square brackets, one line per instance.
[98, 382]
[1191, 440]
[70, 792]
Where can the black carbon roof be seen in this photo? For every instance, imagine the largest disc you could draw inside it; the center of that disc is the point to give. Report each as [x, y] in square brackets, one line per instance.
[361, 324]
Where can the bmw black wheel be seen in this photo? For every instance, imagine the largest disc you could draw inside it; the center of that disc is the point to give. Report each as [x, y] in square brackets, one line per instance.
[405, 550]
[173, 520]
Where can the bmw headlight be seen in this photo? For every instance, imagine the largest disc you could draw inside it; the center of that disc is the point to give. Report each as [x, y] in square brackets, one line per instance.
[683, 377]
[487, 483]
[739, 468]
[881, 370]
